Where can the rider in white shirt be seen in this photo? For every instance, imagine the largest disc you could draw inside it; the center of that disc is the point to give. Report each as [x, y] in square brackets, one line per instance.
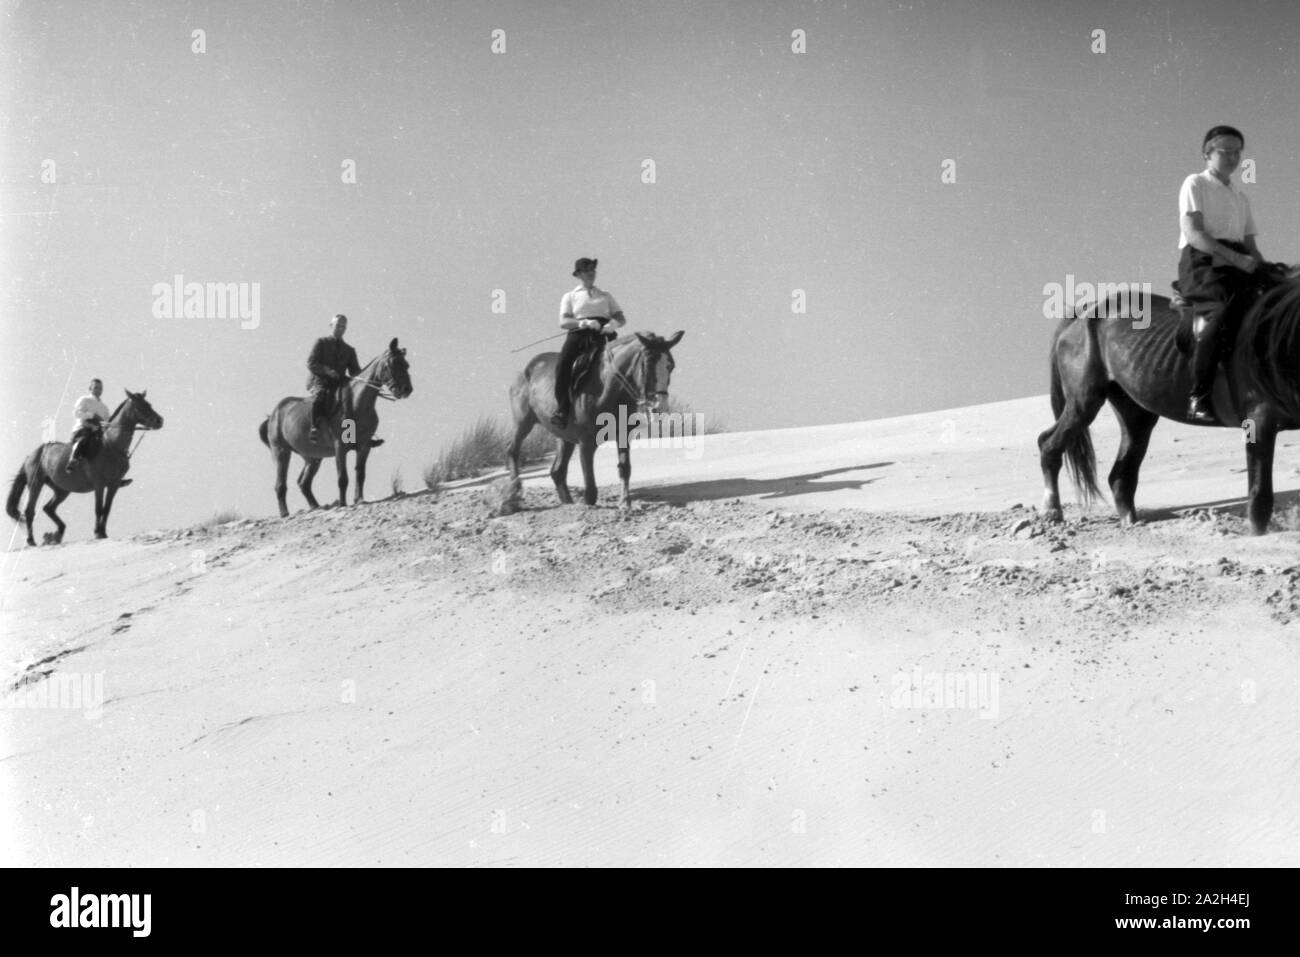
[90, 414]
[591, 316]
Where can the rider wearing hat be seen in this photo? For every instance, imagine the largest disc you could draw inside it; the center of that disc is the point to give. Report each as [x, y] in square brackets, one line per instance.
[331, 363]
[591, 315]
[1220, 267]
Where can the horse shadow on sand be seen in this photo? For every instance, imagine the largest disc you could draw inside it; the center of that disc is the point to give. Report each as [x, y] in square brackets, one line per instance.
[775, 488]
[714, 489]
[1283, 503]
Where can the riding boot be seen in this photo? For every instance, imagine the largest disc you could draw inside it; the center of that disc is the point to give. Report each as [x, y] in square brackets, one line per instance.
[1206, 328]
[573, 345]
[74, 457]
[318, 401]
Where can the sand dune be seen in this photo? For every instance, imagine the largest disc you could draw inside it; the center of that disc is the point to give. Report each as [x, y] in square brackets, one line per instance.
[766, 662]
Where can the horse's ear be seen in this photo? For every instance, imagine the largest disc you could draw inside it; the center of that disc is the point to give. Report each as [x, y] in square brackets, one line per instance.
[392, 346]
[676, 338]
[644, 340]
[144, 393]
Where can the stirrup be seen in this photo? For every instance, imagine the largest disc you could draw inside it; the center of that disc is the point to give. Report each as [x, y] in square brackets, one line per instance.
[1198, 409]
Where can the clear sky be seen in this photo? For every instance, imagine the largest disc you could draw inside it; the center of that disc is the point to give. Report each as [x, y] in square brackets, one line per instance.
[774, 171]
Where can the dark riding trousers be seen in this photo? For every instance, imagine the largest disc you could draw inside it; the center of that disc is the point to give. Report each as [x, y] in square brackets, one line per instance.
[328, 354]
[576, 342]
[1222, 294]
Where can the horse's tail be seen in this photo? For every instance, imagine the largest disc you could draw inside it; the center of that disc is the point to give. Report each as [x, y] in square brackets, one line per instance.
[261, 431]
[16, 494]
[1081, 460]
[1080, 457]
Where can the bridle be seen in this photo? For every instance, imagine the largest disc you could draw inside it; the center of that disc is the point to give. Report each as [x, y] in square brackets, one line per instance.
[138, 425]
[644, 396]
[381, 388]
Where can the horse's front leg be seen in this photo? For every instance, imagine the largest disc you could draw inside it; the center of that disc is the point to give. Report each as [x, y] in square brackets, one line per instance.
[625, 473]
[341, 461]
[560, 471]
[108, 507]
[587, 456]
[1259, 471]
[99, 512]
[363, 452]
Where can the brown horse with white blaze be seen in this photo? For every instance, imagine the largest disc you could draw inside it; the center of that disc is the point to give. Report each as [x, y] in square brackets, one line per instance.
[632, 372]
[350, 428]
[102, 474]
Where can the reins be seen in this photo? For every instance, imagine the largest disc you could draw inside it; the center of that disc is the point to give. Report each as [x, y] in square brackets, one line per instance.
[379, 389]
[139, 425]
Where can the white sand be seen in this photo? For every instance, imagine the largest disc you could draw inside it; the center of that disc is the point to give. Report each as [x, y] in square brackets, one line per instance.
[273, 700]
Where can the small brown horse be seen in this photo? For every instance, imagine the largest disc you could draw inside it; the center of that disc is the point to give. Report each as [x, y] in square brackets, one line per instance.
[349, 429]
[102, 474]
[629, 372]
[1140, 370]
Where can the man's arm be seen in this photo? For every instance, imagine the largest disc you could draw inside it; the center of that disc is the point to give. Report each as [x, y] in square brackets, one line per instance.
[316, 362]
[1194, 230]
[354, 367]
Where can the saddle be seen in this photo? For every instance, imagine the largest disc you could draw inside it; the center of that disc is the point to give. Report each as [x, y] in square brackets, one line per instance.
[584, 362]
[92, 441]
[331, 401]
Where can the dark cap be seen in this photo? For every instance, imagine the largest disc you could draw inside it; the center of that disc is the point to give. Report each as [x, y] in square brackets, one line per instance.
[584, 265]
[1217, 131]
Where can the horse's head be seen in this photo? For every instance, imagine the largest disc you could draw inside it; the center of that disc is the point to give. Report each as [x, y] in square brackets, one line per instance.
[656, 369]
[137, 410]
[394, 372]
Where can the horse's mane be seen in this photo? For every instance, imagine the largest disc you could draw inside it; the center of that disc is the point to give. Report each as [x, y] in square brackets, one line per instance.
[1270, 332]
[118, 409]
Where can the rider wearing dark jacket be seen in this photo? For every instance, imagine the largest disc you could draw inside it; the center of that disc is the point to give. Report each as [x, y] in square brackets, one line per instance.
[331, 362]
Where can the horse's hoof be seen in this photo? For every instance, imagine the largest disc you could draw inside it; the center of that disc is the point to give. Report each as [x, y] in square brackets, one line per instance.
[1054, 516]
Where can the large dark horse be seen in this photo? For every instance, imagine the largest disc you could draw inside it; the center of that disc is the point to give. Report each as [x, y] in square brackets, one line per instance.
[629, 374]
[1144, 375]
[102, 475]
[350, 428]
